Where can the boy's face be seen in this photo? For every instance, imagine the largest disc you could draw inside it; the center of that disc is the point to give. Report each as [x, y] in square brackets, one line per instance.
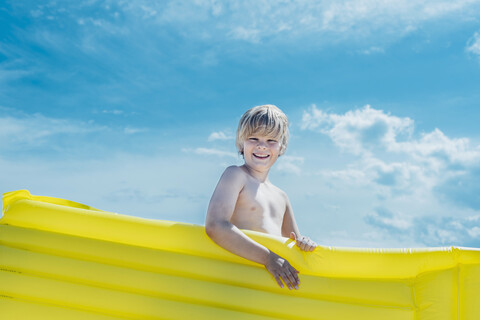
[260, 152]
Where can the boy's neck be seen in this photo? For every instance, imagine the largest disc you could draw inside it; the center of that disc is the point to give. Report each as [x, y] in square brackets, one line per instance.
[261, 176]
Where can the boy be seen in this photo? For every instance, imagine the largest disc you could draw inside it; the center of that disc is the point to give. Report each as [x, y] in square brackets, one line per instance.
[245, 199]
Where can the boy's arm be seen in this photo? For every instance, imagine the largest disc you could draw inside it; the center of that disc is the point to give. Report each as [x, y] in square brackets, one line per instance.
[225, 234]
[290, 229]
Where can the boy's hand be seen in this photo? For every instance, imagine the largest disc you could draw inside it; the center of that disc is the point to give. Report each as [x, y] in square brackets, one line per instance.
[305, 243]
[281, 269]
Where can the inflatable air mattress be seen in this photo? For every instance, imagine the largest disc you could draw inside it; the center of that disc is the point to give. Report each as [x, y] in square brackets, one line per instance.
[64, 260]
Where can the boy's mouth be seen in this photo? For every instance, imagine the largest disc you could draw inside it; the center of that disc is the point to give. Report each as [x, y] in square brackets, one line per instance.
[261, 156]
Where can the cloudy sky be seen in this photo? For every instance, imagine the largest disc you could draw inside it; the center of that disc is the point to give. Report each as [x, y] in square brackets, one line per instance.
[131, 107]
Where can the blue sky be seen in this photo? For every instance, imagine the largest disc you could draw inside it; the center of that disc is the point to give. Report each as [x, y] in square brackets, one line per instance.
[131, 107]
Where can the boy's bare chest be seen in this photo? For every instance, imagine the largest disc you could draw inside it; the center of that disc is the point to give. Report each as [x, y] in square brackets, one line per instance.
[261, 201]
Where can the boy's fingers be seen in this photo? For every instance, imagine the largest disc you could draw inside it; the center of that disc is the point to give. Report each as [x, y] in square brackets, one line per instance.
[278, 280]
[296, 278]
[292, 280]
[308, 245]
[303, 244]
[286, 280]
[294, 272]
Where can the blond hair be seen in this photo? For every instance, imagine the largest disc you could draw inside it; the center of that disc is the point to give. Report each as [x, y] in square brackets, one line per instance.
[267, 120]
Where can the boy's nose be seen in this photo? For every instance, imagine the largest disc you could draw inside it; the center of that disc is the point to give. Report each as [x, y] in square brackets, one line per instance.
[261, 145]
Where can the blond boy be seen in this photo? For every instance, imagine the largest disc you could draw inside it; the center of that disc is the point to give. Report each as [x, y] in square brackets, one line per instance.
[245, 199]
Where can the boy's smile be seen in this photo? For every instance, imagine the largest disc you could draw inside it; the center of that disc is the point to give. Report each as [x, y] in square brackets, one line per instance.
[260, 152]
[260, 156]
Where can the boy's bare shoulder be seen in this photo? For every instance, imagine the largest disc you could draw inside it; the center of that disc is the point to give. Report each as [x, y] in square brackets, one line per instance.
[235, 173]
[235, 170]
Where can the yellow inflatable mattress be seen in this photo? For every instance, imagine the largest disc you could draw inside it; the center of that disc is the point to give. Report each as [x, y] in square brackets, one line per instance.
[64, 260]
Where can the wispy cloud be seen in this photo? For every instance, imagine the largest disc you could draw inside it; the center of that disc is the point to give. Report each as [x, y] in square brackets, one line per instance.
[429, 229]
[257, 21]
[36, 134]
[140, 195]
[368, 130]
[114, 112]
[348, 176]
[426, 177]
[130, 130]
[372, 50]
[462, 187]
[211, 152]
[473, 44]
[220, 135]
[358, 131]
[242, 33]
[385, 219]
[34, 130]
[160, 186]
[289, 164]
[11, 72]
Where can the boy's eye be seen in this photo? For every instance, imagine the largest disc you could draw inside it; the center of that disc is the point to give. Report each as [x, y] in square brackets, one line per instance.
[253, 139]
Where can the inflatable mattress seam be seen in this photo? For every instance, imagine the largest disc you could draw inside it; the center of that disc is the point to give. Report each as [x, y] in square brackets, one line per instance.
[110, 286]
[208, 279]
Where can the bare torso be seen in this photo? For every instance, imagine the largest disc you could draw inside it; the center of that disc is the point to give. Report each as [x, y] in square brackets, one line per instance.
[260, 207]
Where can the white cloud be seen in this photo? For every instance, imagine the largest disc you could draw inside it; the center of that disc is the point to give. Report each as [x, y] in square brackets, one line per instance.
[474, 232]
[447, 230]
[130, 130]
[143, 185]
[9, 74]
[360, 130]
[36, 13]
[211, 152]
[243, 33]
[372, 50]
[289, 164]
[396, 222]
[427, 229]
[114, 112]
[437, 144]
[425, 186]
[37, 129]
[401, 176]
[148, 11]
[368, 131]
[348, 175]
[473, 44]
[255, 21]
[220, 135]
